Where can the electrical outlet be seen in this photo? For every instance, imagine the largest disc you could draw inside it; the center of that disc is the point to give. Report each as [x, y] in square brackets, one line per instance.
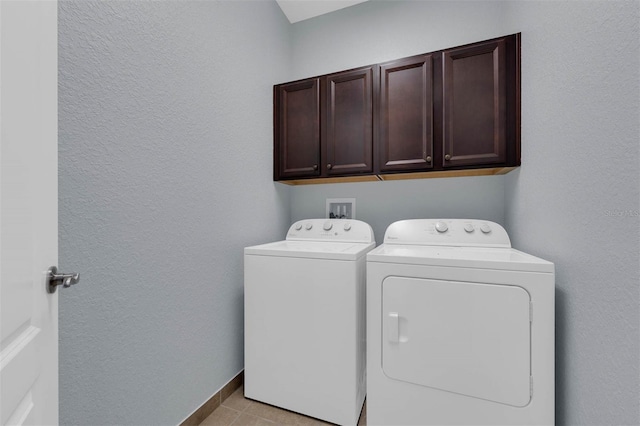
[341, 208]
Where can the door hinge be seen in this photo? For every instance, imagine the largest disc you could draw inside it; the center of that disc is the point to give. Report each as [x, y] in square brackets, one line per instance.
[530, 311]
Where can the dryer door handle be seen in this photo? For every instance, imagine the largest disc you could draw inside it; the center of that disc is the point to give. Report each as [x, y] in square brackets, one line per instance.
[393, 327]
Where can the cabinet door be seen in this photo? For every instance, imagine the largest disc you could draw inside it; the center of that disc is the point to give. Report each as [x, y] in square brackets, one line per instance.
[472, 339]
[474, 97]
[348, 139]
[406, 115]
[297, 129]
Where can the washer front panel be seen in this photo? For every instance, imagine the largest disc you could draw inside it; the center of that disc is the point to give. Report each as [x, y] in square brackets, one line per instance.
[467, 338]
[305, 335]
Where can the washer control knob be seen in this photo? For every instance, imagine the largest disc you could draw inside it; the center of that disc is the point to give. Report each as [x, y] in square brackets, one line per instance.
[298, 226]
[308, 226]
[347, 226]
[441, 227]
[485, 228]
[327, 225]
[469, 228]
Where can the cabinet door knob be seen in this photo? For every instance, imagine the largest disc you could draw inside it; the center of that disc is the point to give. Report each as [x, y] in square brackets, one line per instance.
[329, 166]
[447, 157]
[315, 167]
[428, 159]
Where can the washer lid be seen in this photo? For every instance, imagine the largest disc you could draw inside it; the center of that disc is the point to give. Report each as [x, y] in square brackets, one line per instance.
[312, 249]
[461, 257]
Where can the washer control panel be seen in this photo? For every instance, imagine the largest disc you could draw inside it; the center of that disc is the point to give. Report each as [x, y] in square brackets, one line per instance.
[449, 232]
[338, 230]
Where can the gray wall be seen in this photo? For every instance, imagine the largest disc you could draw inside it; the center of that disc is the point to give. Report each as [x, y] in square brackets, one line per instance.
[580, 166]
[165, 146]
[570, 200]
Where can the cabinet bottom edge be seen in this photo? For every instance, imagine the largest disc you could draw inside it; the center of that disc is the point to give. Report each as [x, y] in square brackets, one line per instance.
[492, 171]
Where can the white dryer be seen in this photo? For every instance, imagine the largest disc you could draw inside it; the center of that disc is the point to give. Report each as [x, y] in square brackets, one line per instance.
[304, 301]
[460, 327]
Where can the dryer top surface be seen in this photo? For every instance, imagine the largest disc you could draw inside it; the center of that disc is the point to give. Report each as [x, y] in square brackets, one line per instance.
[460, 257]
[462, 243]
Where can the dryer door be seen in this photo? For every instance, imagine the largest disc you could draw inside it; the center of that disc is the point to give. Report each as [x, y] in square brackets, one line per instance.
[469, 338]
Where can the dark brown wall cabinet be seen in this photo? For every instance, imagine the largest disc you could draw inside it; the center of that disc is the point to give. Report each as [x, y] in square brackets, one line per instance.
[406, 115]
[297, 129]
[348, 122]
[475, 105]
[324, 126]
[447, 112]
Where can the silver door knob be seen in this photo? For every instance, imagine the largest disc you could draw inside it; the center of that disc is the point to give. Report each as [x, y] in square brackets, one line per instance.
[54, 279]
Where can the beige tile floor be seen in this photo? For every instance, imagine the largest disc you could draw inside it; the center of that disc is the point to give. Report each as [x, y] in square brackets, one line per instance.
[240, 411]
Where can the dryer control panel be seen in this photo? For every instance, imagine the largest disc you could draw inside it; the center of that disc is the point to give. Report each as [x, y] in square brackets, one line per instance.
[337, 230]
[447, 232]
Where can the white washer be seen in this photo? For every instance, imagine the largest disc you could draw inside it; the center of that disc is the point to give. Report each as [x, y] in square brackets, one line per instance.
[460, 327]
[305, 319]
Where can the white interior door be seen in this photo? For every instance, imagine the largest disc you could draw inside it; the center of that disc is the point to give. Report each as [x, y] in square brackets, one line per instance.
[28, 212]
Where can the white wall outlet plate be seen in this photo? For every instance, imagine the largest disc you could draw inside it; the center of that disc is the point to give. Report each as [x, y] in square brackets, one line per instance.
[341, 208]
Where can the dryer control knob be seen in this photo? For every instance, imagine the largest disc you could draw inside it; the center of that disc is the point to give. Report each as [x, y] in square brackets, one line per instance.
[298, 226]
[347, 226]
[308, 226]
[441, 227]
[485, 228]
[327, 225]
[469, 228]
